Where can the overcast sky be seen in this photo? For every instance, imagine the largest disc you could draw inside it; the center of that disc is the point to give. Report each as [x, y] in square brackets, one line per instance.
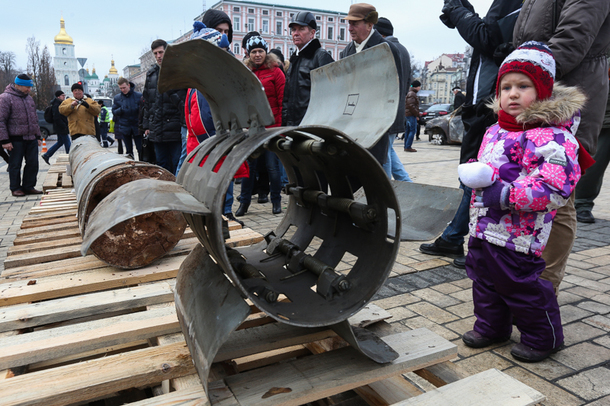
[123, 29]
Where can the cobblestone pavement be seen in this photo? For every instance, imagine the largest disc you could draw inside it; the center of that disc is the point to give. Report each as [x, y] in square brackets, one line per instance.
[427, 291]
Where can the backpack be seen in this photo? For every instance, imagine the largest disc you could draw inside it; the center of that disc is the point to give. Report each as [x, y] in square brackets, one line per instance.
[48, 114]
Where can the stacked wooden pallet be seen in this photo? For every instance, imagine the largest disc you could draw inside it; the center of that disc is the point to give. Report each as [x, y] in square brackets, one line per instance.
[74, 330]
[57, 178]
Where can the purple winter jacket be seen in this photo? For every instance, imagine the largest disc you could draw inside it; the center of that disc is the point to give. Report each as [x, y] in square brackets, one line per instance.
[18, 116]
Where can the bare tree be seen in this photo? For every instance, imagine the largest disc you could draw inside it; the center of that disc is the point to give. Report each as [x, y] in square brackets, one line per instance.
[8, 69]
[41, 70]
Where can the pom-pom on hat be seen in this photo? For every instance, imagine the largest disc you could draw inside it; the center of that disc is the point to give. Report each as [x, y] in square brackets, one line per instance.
[256, 42]
[200, 31]
[535, 60]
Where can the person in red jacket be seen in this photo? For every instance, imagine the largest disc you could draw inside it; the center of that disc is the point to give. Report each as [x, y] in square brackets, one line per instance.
[266, 68]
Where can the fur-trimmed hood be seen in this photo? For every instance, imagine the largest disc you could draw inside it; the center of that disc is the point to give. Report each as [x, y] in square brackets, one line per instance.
[565, 102]
[271, 61]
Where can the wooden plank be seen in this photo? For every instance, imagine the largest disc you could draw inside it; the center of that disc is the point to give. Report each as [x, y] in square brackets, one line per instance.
[490, 387]
[194, 396]
[442, 374]
[243, 237]
[90, 379]
[50, 181]
[52, 236]
[21, 291]
[388, 391]
[37, 246]
[59, 342]
[42, 216]
[64, 266]
[57, 310]
[66, 181]
[43, 228]
[310, 378]
[48, 255]
[49, 223]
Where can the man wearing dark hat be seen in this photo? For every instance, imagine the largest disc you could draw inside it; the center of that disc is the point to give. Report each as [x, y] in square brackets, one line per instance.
[82, 112]
[361, 19]
[20, 135]
[393, 167]
[60, 124]
[459, 97]
[308, 56]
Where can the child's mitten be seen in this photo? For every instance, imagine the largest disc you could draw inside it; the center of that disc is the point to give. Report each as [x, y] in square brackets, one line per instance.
[476, 175]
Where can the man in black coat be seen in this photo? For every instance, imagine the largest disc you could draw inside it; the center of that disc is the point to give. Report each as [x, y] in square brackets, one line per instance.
[361, 18]
[459, 97]
[125, 111]
[163, 116]
[308, 56]
[489, 37]
[60, 124]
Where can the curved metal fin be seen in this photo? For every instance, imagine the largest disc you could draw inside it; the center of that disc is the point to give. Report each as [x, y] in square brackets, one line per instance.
[425, 210]
[234, 93]
[365, 341]
[134, 199]
[209, 308]
[358, 95]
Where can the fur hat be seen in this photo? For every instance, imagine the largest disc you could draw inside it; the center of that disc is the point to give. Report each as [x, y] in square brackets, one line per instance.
[535, 60]
[200, 31]
[76, 86]
[256, 42]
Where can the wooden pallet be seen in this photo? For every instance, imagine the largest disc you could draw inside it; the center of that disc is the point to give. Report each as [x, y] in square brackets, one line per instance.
[74, 330]
[56, 176]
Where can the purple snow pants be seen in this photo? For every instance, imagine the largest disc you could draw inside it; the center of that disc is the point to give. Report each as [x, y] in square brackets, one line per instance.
[506, 283]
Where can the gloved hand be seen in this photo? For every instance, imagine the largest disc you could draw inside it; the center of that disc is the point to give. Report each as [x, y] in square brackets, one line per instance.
[85, 104]
[448, 7]
[495, 196]
[476, 175]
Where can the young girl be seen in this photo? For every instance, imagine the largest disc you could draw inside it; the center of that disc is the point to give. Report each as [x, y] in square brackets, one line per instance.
[532, 159]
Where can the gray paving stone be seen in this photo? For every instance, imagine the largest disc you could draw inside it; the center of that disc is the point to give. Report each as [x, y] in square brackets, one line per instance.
[604, 340]
[401, 313]
[483, 362]
[555, 396]
[462, 310]
[578, 332]
[446, 288]
[599, 321]
[581, 356]
[465, 283]
[548, 369]
[601, 402]
[422, 322]
[435, 297]
[567, 297]
[396, 300]
[431, 312]
[571, 313]
[594, 307]
[465, 295]
[590, 384]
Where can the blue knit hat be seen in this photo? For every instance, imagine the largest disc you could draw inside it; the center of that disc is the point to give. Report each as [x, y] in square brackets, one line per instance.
[200, 31]
[256, 42]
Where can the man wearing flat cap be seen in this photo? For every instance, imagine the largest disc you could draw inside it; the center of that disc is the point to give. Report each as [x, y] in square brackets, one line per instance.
[308, 56]
[361, 19]
[82, 112]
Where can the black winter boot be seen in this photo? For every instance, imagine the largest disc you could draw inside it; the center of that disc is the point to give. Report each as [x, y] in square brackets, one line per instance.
[277, 207]
[242, 209]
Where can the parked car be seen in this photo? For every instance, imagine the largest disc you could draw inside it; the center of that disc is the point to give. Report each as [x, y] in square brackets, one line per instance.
[434, 111]
[46, 129]
[446, 129]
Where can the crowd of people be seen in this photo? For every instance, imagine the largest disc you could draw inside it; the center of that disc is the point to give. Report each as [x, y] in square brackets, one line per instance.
[528, 140]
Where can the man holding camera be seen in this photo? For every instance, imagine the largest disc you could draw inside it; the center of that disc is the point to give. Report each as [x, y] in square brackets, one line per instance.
[81, 112]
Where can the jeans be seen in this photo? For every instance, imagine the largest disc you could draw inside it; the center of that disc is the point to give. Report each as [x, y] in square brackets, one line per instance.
[131, 136]
[184, 132]
[27, 149]
[393, 166]
[275, 181]
[229, 200]
[61, 140]
[168, 154]
[458, 228]
[410, 131]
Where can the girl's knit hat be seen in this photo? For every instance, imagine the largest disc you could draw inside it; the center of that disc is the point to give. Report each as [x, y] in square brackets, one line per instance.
[200, 31]
[256, 42]
[535, 60]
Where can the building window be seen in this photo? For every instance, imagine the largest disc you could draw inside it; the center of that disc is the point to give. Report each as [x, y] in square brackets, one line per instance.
[291, 15]
[318, 18]
[265, 28]
[342, 34]
[66, 80]
[236, 9]
[330, 32]
[318, 33]
[331, 19]
[265, 12]
[250, 11]
[236, 47]
[236, 23]
[250, 24]
[343, 20]
[278, 14]
[278, 28]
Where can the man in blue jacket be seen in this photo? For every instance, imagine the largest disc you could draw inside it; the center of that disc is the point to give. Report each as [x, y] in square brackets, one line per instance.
[125, 110]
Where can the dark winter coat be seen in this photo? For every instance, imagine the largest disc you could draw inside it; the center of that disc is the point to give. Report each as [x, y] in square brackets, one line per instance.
[486, 36]
[60, 122]
[399, 123]
[458, 100]
[298, 81]
[125, 109]
[163, 113]
[18, 116]
[578, 33]
[405, 61]
[273, 80]
[412, 104]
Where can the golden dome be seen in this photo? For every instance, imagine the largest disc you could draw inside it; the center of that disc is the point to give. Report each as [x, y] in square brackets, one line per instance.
[63, 37]
[113, 70]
